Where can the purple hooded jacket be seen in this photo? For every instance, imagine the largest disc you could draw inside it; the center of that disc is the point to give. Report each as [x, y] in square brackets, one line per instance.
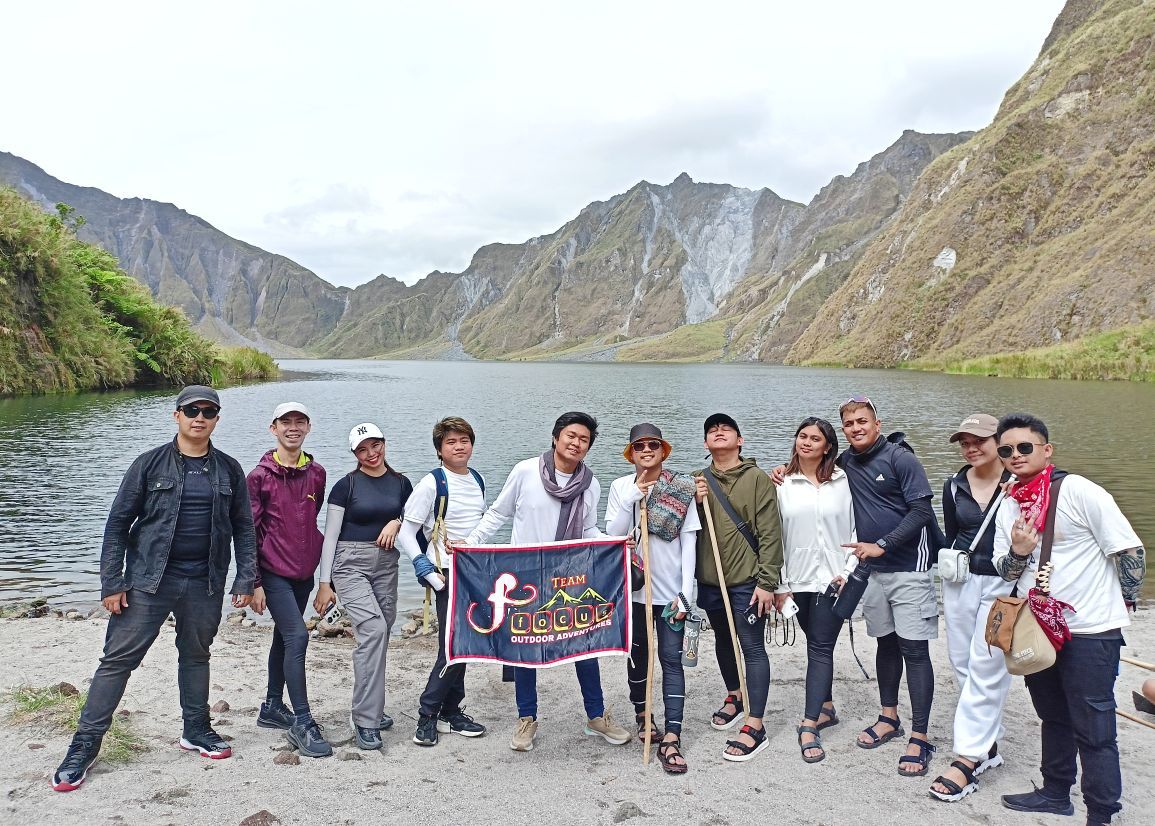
[286, 501]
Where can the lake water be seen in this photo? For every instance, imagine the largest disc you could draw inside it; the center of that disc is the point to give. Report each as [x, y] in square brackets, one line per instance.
[62, 457]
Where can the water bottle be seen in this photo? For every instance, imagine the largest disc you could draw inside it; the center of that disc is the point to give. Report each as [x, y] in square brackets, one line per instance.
[852, 592]
[692, 631]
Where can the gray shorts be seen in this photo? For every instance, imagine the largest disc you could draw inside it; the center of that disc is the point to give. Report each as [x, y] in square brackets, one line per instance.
[902, 602]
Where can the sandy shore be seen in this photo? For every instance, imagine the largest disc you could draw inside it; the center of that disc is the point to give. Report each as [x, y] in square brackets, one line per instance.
[567, 778]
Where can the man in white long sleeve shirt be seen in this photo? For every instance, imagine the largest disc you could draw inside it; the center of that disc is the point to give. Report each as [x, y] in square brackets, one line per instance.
[549, 498]
[463, 490]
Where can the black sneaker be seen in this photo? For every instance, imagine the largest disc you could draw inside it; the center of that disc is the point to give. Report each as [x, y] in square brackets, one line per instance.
[208, 743]
[307, 739]
[1037, 801]
[426, 734]
[275, 714]
[81, 754]
[386, 722]
[459, 723]
[365, 738]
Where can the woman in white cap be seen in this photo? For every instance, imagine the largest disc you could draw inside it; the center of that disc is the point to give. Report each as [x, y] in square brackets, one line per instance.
[359, 560]
[673, 533]
[967, 498]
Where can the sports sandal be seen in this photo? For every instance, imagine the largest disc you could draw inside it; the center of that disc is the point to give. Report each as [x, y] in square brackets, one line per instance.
[956, 792]
[758, 735]
[875, 739]
[655, 732]
[925, 750]
[992, 761]
[728, 719]
[832, 718]
[668, 751]
[816, 743]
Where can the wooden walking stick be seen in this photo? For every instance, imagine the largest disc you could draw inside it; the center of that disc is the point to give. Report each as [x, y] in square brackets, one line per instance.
[1138, 663]
[726, 602]
[1133, 718]
[644, 521]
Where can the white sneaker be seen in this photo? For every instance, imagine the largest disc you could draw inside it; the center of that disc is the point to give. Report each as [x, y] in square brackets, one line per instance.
[523, 736]
[606, 728]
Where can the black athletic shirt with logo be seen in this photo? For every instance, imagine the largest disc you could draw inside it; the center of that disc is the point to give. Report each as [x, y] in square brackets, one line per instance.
[884, 480]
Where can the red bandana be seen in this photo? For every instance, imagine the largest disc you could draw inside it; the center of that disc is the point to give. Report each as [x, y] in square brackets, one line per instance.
[1049, 612]
[1034, 497]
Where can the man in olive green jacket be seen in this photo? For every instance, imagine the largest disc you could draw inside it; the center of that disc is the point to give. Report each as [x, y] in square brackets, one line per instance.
[750, 550]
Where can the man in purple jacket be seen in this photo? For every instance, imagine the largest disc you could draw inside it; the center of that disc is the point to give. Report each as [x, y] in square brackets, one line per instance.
[286, 490]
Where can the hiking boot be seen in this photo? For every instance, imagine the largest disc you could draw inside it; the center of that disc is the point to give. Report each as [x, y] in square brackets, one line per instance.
[459, 723]
[208, 743]
[275, 714]
[426, 734]
[365, 738]
[523, 736]
[386, 722]
[608, 730]
[1038, 801]
[307, 739]
[81, 754]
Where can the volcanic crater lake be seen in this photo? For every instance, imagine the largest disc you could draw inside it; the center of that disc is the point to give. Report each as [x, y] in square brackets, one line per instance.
[62, 457]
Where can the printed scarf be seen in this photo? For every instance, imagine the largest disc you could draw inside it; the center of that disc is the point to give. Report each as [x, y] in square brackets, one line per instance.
[1049, 613]
[670, 500]
[1034, 497]
[571, 520]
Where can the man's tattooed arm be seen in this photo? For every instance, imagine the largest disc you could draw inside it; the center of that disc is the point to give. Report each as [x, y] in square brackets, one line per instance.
[1131, 565]
[1011, 567]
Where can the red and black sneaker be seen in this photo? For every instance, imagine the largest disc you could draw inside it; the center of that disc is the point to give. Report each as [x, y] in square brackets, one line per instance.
[81, 754]
[208, 743]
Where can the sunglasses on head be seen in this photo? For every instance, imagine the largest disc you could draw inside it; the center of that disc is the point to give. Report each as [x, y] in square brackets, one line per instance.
[1024, 449]
[646, 444]
[858, 400]
[191, 411]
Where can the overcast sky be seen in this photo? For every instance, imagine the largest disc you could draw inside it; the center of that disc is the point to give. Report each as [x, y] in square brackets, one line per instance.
[396, 138]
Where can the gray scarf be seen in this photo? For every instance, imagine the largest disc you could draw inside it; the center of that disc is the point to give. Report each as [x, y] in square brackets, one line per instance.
[570, 523]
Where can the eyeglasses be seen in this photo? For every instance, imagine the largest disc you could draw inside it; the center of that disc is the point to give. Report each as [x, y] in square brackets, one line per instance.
[646, 444]
[1024, 449]
[191, 411]
[858, 400]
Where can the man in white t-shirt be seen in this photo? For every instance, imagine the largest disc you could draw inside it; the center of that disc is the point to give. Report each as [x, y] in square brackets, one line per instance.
[464, 502]
[549, 498]
[1097, 569]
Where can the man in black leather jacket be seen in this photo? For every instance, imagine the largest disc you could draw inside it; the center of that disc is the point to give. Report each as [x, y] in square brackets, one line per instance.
[167, 550]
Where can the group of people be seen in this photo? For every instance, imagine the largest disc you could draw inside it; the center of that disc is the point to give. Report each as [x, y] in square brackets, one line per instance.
[732, 540]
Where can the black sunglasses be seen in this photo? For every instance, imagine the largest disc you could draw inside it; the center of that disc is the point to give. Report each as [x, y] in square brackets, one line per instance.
[191, 411]
[646, 444]
[1024, 449]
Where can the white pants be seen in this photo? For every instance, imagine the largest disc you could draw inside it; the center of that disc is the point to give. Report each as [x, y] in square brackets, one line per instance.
[981, 674]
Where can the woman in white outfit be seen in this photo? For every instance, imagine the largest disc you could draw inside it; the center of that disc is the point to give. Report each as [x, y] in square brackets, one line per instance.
[980, 670]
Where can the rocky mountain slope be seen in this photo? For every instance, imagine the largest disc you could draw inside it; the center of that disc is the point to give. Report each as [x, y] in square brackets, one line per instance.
[1038, 230]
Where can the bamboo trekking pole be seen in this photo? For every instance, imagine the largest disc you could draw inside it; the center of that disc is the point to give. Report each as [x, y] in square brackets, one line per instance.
[644, 521]
[726, 602]
[1138, 663]
[429, 588]
[1133, 718]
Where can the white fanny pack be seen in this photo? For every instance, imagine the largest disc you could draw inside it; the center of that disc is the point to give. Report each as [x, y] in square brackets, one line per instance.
[954, 564]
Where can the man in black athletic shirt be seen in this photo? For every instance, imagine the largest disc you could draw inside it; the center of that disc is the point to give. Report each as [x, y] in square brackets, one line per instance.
[166, 550]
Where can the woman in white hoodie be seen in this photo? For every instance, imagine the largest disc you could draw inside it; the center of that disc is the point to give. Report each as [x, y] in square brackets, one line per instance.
[817, 520]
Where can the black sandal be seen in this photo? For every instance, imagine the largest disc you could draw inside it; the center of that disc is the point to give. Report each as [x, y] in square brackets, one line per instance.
[667, 751]
[925, 750]
[832, 718]
[656, 733]
[955, 792]
[728, 719]
[814, 744]
[875, 739]
[758, 735]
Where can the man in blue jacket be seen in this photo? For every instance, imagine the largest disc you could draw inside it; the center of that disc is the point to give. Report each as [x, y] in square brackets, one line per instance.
[167, 550]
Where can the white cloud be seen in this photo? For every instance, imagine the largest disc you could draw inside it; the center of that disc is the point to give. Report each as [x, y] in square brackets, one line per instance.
[394, 138]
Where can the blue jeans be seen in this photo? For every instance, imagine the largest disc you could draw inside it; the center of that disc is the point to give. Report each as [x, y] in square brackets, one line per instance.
[132, 632]
[286, 599]
[669, 649]
[589, 680]
[1075, 700]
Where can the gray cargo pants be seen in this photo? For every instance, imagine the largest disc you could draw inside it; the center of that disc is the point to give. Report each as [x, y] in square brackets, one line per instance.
[365, 579]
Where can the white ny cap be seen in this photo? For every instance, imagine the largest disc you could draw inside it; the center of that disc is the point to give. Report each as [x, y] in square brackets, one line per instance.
[363, 431]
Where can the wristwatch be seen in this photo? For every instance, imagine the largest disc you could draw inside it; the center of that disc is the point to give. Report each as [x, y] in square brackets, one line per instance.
[881, 543]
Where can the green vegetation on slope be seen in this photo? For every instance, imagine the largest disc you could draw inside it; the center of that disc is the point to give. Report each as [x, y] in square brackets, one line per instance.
[688, 343]
[1126, 354]
[71, 320]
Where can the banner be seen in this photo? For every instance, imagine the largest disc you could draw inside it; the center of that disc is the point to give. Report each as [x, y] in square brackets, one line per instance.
[538, 605]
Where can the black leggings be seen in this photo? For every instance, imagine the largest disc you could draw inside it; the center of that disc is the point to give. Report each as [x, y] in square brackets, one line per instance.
[893, 650]
[752, 638]
[286, 599]
[821, 628]
[669, 648]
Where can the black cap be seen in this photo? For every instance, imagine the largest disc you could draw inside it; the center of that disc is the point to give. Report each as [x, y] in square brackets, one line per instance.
[645, 430]
[720, 418]
[197, 393]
